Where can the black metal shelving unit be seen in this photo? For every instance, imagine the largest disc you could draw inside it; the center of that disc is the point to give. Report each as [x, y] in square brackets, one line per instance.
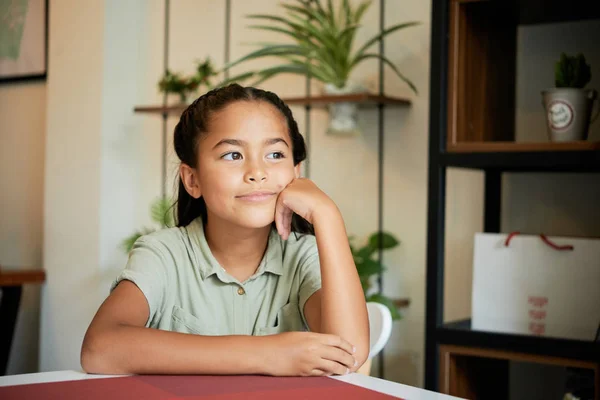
[493, 164]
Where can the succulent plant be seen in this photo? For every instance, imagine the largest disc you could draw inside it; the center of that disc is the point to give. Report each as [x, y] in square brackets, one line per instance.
[572, 72]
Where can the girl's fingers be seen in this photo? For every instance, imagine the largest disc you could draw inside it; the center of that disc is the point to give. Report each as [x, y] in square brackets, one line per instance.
[279, 210]
[288, 222]
[332, 367]
[318, 372]
[283, 219]
[338, 355]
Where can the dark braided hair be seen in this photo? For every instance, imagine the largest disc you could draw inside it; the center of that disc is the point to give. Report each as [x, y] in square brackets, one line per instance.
[194, 122]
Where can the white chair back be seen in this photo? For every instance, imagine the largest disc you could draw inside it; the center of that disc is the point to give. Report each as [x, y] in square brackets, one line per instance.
[380, 327]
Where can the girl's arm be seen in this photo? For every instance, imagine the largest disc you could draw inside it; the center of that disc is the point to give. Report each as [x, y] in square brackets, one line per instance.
[339, 307]
[117, 342]
[340, 303]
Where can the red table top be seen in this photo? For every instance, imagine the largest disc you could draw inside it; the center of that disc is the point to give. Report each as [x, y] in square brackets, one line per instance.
[201, 387]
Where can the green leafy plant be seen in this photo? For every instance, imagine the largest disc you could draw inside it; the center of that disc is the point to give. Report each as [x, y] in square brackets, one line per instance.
[185, 85]
[322, 45]
[161, 212]
[572, 71]
[368, 266]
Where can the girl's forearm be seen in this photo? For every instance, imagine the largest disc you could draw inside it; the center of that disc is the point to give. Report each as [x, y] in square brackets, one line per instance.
[138, 350]
[343, 307]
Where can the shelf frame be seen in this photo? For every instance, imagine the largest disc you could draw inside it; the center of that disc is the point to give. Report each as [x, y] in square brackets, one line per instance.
[461, 136]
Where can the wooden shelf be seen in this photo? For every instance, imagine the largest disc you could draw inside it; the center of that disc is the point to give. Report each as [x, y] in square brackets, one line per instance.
[460, 333]
[480, 373]
[363, 100]
[475, 147]
[16, 277]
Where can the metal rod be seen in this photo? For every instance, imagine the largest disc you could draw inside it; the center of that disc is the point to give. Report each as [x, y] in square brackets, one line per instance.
[307, 114]
[492, 204]
[380, 163]
[163, 182]
[227, 35]
[436, 191]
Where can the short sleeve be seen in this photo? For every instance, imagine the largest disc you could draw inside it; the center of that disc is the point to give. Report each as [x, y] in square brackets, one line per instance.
[310, 280]
[146, 269]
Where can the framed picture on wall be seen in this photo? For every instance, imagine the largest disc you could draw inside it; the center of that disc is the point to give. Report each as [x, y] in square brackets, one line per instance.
[23, 40]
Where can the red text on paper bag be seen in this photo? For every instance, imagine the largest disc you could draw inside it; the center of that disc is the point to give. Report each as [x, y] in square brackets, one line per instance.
[538, 301]
[537, 314]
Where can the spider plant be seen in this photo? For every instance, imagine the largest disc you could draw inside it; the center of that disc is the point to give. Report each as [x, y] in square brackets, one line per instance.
[322, 42]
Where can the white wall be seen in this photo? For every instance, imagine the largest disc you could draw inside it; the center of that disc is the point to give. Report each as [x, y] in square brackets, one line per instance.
[22, 137]
[96, 59]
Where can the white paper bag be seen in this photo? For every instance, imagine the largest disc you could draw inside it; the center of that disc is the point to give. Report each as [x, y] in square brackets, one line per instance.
[529, 287]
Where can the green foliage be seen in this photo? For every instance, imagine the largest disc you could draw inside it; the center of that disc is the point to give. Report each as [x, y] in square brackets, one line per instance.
[186, 85]
[322, 45]
[161, 212]
[368, 266]
[572, 71]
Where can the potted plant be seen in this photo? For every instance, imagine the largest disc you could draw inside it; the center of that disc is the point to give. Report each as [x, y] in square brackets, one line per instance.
[368, 267]
[321, 47]
[161, 212]
[568, 105]
[183, 86]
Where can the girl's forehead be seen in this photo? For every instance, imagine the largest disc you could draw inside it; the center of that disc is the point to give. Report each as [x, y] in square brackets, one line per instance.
[250, 120]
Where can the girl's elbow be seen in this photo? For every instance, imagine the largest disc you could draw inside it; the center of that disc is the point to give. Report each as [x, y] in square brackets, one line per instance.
[94, 357]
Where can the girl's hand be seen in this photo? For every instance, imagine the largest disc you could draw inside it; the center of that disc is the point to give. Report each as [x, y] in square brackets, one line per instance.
[302, 197]
[307, 354]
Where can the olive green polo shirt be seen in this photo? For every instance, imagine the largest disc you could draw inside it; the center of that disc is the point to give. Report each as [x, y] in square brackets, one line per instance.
[188, 291]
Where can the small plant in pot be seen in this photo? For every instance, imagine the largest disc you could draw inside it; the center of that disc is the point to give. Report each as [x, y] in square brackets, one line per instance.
[568, 105]
[176, 83]
[322, 38]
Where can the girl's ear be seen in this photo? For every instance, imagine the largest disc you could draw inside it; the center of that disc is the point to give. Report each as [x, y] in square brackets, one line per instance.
[190, 180]
[297, 170]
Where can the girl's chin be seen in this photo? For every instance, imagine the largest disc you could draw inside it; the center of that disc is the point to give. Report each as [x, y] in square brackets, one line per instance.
[255, 220]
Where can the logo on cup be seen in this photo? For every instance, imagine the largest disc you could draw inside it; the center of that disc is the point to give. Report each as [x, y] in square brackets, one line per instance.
[560, 114]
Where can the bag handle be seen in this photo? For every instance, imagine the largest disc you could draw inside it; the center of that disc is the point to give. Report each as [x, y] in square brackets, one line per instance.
[544, 239]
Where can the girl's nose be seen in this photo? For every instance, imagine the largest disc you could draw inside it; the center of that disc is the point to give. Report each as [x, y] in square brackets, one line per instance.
[256, 173]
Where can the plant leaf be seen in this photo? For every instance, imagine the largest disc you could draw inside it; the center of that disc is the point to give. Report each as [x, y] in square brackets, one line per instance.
[388, 62]
[300, 69]
[360, 11]
[368, 267]
[386, 301]
[269, 51]
[161, 212]
[384, 33]
[388, 241]
[127, 243]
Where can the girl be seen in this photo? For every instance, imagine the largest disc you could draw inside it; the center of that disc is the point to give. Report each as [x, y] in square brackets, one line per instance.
[238, 287]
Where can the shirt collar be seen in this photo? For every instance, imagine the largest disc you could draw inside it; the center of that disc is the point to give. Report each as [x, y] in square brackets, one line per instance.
[207, 264]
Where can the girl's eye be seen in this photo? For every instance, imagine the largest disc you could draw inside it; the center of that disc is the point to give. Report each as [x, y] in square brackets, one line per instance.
[234, 155]
[275, 155]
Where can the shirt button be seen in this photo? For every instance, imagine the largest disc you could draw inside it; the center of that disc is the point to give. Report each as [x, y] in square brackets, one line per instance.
[241, 291]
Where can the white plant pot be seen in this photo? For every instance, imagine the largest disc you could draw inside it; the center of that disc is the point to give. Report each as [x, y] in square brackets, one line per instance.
[568, 113]
[343, 116]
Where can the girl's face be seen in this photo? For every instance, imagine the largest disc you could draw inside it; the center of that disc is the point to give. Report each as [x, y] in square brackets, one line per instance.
[244, 162]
